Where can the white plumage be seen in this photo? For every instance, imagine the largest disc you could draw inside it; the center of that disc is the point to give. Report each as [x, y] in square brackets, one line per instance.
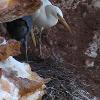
[48, 15]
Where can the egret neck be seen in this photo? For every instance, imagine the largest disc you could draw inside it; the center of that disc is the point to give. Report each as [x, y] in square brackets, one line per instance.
[54, 14]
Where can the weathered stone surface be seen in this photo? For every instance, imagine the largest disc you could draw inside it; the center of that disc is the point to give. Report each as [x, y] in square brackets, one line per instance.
[14, 9]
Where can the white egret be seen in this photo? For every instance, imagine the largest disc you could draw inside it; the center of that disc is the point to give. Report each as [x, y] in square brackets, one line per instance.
[48, 16]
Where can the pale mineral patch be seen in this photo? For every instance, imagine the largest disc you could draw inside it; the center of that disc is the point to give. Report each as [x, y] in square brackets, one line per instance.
[17, 81]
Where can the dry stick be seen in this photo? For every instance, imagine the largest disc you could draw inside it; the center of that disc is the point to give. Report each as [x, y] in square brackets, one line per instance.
[33, 37]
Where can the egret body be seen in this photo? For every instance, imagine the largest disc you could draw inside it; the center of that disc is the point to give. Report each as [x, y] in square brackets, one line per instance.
[48, 16]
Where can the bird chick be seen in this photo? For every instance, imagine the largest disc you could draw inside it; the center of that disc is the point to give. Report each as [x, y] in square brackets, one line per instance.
[19, 29]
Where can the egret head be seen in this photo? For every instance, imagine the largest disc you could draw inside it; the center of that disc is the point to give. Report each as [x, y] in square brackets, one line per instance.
[54, 11]
[57, 13]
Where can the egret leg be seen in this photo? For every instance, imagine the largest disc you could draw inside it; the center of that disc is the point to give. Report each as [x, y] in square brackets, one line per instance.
[26, 49]
[40, 41]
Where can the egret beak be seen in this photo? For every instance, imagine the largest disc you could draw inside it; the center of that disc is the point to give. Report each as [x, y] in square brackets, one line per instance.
[63, 21]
